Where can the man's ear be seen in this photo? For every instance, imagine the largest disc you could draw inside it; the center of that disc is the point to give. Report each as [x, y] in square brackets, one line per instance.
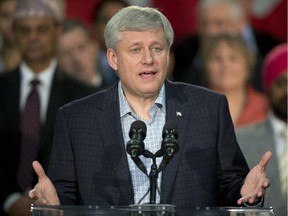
[112, 58]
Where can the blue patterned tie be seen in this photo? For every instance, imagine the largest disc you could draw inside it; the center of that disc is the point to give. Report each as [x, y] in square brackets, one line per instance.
[30, 137]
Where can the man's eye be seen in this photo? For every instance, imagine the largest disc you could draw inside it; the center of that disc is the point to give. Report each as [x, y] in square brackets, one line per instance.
[135, 50]
[156, 49]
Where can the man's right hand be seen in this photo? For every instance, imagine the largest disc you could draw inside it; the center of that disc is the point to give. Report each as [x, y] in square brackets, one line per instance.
[44, 192]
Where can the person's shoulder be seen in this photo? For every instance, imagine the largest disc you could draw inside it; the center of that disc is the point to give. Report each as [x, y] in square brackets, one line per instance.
[8, 77]
[254, 139]
[194, 94]
[100, 98]
[74, 85]
[192, 90]
[65, 78]
[253, 130]
[9, 74]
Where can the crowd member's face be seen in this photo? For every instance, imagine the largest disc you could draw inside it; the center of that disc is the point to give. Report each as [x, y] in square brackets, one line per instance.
[226, 68]
[77, 54]
[278, 96]
[217, 19]
[141, 59]
[36, 38]
[7, 9]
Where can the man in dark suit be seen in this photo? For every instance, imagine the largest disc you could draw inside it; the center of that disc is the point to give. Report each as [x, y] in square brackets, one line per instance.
[90, 164]
[36, 29]
[216, 17]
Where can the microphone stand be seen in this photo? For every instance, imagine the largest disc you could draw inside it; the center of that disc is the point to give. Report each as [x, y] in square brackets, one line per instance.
[153, 181]
[153, 175]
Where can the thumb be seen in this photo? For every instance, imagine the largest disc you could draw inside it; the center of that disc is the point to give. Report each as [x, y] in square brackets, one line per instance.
[39, 170]
[265, 159]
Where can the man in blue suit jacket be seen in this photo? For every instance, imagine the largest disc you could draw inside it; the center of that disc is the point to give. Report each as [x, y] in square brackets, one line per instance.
[90, 164]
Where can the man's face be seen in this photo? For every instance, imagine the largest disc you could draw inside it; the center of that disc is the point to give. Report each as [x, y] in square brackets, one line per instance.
[226, 68]
[278, 96]
[7, 9]
[141, 59]
[36, 38]
[217, 19]
[77, 53]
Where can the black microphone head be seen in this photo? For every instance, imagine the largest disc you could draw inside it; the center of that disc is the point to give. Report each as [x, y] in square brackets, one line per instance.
[137, 134]
[170, 138]
[138, 127]
[170, 128]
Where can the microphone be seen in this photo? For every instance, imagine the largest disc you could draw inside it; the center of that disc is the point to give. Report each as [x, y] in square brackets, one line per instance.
[137, 133]
[169, 144]
[135, 146]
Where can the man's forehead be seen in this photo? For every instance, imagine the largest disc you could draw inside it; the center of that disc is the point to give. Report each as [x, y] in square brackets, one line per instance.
[33, 21]
[139, 37]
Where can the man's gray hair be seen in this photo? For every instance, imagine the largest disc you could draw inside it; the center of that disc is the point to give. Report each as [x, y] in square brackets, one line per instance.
[138, 19]
[236, 9]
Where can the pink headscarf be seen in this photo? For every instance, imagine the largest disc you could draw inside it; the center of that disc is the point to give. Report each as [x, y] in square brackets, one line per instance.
[275, 64]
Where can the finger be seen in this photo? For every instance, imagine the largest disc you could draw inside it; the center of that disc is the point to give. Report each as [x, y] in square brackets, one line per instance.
[266, 183]
[32, 193]
[39, 170]
[260, 194]
[252, 199]
[265, 159]
[242, 200]
[248, 199]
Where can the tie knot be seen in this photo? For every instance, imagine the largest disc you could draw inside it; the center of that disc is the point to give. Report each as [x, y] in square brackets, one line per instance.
[34, 83]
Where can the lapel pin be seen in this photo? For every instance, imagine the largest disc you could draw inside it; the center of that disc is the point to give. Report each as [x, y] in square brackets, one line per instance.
[178, 114]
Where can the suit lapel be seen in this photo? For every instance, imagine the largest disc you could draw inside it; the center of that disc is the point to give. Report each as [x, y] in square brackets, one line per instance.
[56, 99]
[109, 124]
[178, 113]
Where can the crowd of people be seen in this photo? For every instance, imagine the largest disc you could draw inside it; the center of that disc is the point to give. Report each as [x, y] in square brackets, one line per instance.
[65, 87]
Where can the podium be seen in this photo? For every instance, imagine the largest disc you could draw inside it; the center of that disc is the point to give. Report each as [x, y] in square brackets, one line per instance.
[147, 210]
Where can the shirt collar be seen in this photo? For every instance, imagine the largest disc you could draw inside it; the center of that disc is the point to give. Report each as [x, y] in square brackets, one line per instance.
[44, 76]
[276, 123]
[125, 107]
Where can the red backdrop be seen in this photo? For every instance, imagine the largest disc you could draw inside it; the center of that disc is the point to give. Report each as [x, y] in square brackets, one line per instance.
[183, 20]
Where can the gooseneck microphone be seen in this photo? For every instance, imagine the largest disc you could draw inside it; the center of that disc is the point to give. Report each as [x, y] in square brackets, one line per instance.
[135, 146]
[169, 146]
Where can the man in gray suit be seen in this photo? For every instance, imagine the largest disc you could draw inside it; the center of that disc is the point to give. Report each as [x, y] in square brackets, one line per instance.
[256, 139]
[90, 164]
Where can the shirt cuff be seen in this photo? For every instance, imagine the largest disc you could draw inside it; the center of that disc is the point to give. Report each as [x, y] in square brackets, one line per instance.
[259, 203]
[11, 199]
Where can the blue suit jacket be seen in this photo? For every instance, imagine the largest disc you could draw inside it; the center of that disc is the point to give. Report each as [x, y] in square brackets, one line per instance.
[89, 160]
